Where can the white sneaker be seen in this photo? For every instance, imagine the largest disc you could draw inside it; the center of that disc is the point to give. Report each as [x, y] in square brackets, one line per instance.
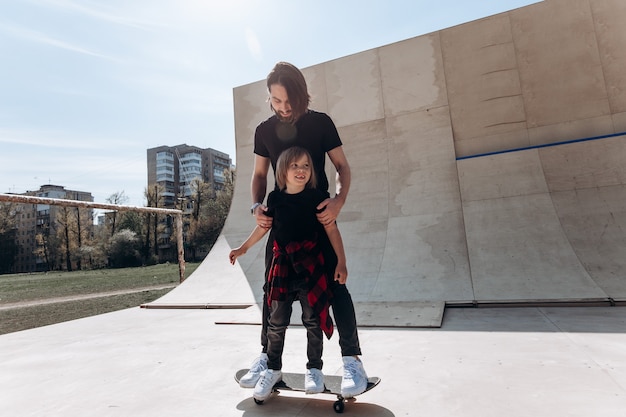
[354, 379]
[250, 379]
[313, 381]
[263, 388]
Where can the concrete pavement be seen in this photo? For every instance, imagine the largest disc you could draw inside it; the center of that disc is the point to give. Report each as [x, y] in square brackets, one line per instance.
[482, 362]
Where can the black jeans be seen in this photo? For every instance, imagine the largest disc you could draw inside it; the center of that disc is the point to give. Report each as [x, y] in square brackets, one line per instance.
[341, 303]
[278, 321]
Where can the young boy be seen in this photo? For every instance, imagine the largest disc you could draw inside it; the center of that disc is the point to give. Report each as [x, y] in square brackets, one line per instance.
[297, 269]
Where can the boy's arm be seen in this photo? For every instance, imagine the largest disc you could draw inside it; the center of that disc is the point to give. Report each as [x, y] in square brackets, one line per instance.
[256, 235]
[341, 271]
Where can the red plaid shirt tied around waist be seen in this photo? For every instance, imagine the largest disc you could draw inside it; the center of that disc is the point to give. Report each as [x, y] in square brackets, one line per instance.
[307, 261]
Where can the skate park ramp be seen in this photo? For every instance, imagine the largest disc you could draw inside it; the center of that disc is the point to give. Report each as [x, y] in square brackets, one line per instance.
[487, 167]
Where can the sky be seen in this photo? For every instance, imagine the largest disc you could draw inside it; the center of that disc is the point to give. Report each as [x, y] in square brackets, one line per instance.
[87, 86]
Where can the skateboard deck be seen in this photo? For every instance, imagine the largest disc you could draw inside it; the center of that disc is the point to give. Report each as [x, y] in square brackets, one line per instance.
[295, 382]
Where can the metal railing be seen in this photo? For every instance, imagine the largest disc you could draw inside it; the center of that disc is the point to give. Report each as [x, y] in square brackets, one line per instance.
[16, 198]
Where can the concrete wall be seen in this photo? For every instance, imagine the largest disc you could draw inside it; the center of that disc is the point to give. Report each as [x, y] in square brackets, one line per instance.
[420, 224]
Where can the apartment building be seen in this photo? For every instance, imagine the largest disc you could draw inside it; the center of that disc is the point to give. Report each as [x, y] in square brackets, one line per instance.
[175, 168]
[35, 220]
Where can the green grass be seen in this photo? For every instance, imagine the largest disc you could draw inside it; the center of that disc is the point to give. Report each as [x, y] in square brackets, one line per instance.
[31, 287]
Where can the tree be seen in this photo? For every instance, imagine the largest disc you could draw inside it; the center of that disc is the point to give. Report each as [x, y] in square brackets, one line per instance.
[63, 219]
[84, 237]
[131, 220]
[9, 247]
[100, 247]
[118, 198]
[196, 224]
[79, 238]
[74, 230]
[220, 206]
[209, 213]
[42, 237]
[124, 249]
[8, 250]
[84, 225]
[49, 245]
[154, 198]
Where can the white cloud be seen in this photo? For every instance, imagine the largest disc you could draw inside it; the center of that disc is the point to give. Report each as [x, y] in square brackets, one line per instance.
[38, 37]
[57, 139]
[254, 46]
[99, 14]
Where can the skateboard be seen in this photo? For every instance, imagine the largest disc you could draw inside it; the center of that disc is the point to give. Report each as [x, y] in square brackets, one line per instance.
[295, 382]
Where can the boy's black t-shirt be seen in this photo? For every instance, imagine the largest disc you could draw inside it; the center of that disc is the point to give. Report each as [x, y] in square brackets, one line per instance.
[294, 216]
[314, 131]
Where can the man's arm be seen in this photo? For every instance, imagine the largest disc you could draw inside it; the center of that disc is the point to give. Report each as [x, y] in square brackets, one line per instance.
[258, 188]
[341, 270]
[333, 205]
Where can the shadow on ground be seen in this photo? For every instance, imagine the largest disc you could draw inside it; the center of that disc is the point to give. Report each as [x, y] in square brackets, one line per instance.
[318, 406]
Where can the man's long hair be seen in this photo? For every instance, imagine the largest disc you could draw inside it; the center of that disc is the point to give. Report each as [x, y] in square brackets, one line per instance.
[291, 78]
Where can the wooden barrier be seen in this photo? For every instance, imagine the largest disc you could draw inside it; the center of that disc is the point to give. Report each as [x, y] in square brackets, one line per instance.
[23, 199]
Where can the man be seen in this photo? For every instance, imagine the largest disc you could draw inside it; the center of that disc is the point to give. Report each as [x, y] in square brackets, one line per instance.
[294, 124]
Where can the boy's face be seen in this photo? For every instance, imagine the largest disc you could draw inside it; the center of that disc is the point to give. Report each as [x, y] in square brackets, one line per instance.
[298, 173]
[280, 101]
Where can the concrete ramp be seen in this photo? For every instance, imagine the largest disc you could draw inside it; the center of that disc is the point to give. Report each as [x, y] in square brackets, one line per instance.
[587, 182]
[214, 283]
[484, 170]
[542, 225]
[547, 224]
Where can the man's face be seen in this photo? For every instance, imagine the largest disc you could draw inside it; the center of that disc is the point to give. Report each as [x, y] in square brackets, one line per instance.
[280, 101]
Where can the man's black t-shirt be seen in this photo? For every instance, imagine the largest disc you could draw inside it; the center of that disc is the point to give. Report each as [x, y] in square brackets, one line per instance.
[314, 131]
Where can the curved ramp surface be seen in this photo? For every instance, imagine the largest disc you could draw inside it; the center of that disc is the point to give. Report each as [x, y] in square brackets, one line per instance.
[549, 223]
[425, 221]
[545, 224]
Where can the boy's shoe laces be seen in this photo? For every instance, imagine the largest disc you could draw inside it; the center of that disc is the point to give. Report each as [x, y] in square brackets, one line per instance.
[265, 381]
[314, 377]
[350, 370]
[258, 366]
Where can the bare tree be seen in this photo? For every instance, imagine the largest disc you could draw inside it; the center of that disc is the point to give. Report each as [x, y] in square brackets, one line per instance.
[64, 220]
[209, 213]
[154, 198]
[8, 237]
[116, 198]
[79, 236]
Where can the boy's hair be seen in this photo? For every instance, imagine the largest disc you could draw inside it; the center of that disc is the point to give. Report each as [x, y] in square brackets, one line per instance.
[282, 166]
[292, 79]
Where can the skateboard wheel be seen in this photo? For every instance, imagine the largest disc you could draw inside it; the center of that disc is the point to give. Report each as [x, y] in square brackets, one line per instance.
[258, 402]
[338, 406]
